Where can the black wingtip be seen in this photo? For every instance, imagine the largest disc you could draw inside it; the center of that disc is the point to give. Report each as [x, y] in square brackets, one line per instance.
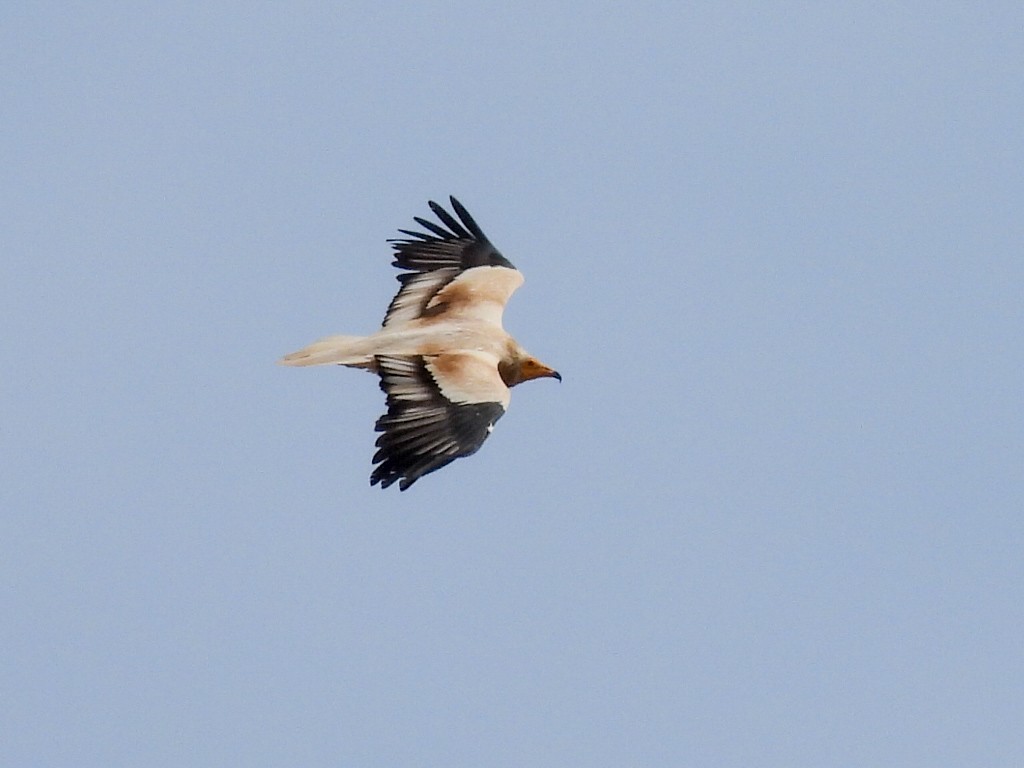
[468, 220]
[448, 220]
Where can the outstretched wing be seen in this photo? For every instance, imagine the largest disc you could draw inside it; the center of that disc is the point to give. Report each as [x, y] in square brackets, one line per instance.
[444, 256]
[440, 407]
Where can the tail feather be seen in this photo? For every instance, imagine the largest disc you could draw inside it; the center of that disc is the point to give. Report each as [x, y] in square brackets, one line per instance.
[334, 350]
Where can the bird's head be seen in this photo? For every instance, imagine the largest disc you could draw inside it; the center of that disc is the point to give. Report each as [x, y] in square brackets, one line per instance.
[526, 368]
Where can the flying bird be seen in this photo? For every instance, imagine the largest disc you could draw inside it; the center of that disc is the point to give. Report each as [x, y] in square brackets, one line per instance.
[445, 362]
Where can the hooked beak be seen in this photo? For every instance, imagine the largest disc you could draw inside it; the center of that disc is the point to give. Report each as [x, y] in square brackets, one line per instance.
[537, 370]
[550, 373]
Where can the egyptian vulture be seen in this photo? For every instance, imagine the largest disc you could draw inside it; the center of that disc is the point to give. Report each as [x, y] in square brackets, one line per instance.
[445, 362]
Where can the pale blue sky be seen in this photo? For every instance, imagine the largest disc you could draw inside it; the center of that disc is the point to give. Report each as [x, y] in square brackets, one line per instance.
[772, 517]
